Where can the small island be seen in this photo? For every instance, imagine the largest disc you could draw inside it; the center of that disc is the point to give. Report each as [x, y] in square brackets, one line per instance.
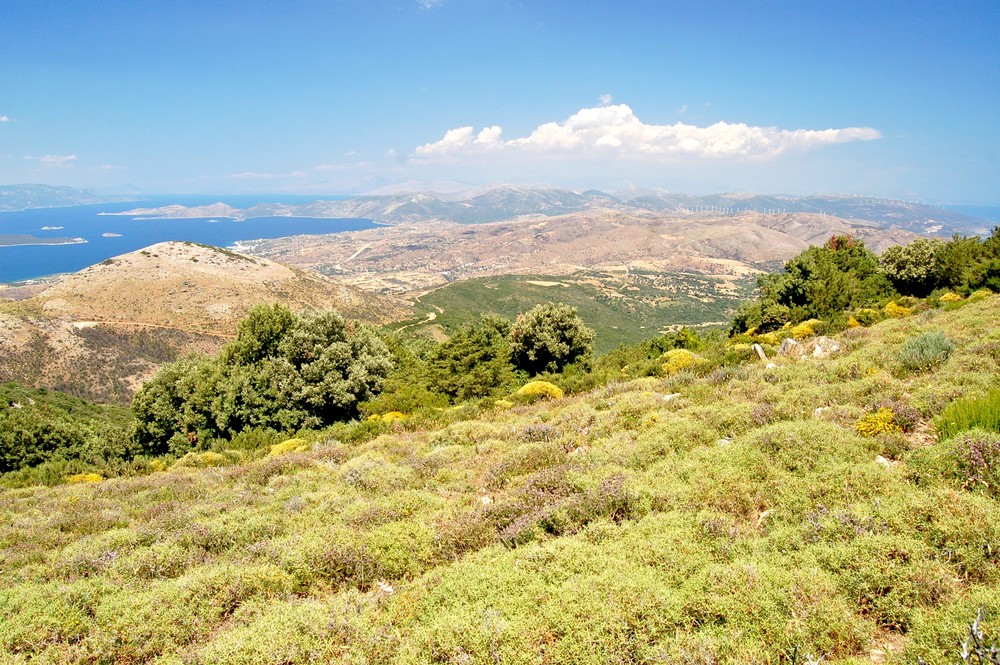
[14, 240]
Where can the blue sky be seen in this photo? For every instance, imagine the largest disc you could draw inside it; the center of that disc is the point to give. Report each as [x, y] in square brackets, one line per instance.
[883, 98]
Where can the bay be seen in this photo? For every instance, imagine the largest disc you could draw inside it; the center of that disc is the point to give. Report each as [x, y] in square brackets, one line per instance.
[111, 235]
[982, 210]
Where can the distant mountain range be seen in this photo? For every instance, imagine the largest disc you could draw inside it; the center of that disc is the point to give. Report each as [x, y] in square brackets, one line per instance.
[23, 197]
[505, 202]
[509, 202]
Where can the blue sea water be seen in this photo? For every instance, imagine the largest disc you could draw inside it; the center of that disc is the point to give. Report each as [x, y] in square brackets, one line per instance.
[988, 211]
[25, 262]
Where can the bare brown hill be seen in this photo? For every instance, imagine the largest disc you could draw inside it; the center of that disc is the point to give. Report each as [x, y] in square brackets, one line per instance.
[100, 332]
[202, 289]
[408, 258]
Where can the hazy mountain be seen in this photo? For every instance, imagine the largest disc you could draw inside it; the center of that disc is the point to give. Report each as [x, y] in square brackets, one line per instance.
[23, 197]
[504, 202]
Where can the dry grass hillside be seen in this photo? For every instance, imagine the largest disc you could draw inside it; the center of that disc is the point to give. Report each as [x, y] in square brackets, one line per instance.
[100, 332]
[202, 289]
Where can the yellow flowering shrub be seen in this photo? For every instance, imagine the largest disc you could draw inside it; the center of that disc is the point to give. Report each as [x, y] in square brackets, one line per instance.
[852, 322]
[866, 316]
[768, 338]
[882, 421]
[805, 329]
[84, 478]
[393, 417]
[200, 460]
[537, 390]
[677, 360]
[289, 446]
[951, 296]
[896, 311]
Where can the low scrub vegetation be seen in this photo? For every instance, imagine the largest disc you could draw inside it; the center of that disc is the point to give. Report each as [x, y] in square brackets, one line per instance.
[730, 514]
[677, 500]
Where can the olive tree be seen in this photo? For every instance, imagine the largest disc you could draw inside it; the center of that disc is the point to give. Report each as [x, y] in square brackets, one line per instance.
[548, 337]
[282, 372]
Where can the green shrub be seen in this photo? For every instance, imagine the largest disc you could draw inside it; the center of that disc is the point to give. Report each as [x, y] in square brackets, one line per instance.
[964, 414]
[925, 351]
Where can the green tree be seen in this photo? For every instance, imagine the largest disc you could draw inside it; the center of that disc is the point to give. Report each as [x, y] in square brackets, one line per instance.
[258, 334]
[915, 269]
[282, 372]
[476, 361]
[548, 337]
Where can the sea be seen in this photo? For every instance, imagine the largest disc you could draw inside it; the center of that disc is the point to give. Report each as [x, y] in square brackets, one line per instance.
[982, 211]
[111, 235]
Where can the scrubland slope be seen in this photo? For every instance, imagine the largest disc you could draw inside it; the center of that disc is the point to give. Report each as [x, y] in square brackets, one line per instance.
[737, 516]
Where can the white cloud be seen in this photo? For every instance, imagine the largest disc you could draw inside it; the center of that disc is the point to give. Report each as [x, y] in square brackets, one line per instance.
[54, 161]
[615, 131]
[251, 175]
[5, 118]
[429, 4]
[605, 99]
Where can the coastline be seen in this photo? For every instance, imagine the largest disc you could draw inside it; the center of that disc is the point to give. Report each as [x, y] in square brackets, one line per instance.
[41, 242]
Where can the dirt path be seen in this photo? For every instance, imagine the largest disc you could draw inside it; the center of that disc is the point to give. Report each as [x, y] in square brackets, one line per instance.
[430, 317]
[143, 324]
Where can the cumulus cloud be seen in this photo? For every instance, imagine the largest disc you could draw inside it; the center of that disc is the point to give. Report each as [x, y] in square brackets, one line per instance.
[615, 131]
[4, 118]
[429, 4]
[54, 161]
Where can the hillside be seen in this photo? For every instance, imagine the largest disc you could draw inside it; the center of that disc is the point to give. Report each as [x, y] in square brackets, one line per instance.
[412, 257]
[622, 307]
[755, 513]
[99, 332]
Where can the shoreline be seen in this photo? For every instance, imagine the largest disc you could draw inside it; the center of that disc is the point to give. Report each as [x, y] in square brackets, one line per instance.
[72, 241]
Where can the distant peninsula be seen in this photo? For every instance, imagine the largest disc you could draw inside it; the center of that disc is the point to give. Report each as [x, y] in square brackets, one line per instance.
[177, 211]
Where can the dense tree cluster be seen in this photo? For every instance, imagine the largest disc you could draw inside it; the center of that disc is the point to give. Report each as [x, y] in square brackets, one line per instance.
[487, 358]
[38, 426]
[824, 282]
[282, 372]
